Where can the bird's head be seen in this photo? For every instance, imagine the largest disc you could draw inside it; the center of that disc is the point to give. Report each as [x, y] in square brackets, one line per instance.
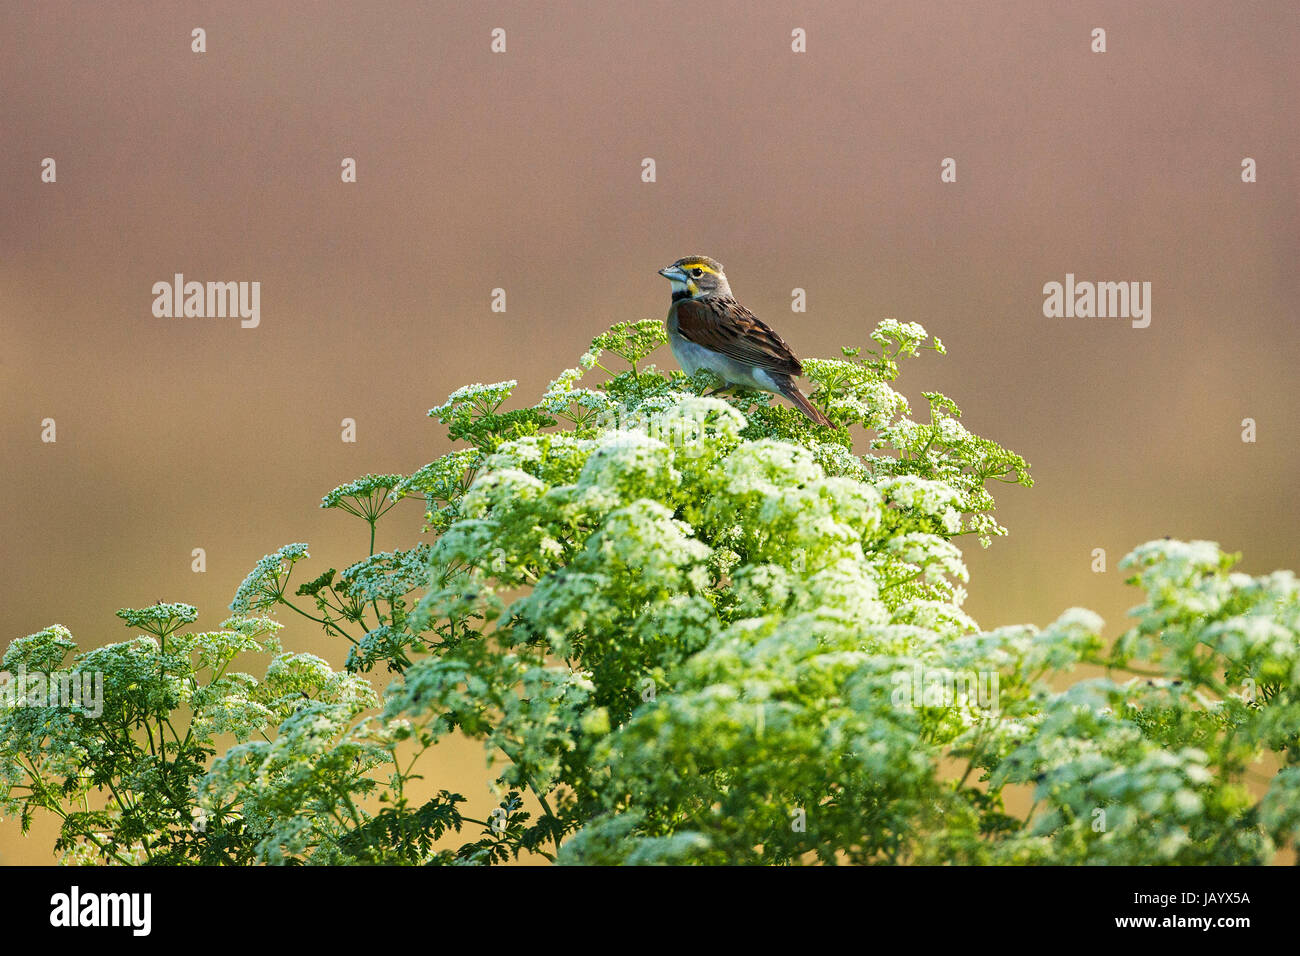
[695, 277]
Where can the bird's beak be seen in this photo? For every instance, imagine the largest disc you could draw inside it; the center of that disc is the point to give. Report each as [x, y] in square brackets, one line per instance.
[673, 273]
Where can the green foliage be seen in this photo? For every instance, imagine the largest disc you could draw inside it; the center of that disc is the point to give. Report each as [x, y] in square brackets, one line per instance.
[127, 748]
[684, 630]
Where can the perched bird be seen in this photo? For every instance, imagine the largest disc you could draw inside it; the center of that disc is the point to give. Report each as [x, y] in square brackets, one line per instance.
[709, 329]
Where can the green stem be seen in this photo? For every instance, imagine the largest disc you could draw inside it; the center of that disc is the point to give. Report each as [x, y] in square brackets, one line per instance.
[328, 624]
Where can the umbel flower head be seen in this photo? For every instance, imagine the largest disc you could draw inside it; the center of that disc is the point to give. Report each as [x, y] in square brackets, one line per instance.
[160, 618]
[265, 584]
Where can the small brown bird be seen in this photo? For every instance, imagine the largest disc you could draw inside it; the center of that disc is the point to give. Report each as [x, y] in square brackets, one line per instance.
[709, 329]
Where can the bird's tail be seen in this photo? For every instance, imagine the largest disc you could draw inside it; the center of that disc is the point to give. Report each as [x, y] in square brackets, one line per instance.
[800, 401]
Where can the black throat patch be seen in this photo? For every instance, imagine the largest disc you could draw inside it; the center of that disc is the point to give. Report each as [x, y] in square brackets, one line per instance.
[683, 294]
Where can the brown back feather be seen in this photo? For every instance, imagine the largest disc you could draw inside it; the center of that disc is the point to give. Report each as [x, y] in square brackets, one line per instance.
[724, 325]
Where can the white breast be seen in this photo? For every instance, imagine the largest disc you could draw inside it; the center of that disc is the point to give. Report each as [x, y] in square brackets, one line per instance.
[692, 358]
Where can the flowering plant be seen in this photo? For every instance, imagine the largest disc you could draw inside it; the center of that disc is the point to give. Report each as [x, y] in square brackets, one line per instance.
[685, 630]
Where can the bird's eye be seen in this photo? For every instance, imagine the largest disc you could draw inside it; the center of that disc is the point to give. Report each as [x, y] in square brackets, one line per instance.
[697, 272]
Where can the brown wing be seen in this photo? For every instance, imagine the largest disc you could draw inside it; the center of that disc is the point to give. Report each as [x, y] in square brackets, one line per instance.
[724, 325]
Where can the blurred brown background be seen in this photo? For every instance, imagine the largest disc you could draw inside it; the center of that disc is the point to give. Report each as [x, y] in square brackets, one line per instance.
[522, 171]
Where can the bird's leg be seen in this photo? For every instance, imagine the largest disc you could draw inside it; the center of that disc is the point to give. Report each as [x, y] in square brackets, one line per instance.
[724, 387]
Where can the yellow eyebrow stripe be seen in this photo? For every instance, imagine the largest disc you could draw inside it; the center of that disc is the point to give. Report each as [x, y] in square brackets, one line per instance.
[698, 265]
